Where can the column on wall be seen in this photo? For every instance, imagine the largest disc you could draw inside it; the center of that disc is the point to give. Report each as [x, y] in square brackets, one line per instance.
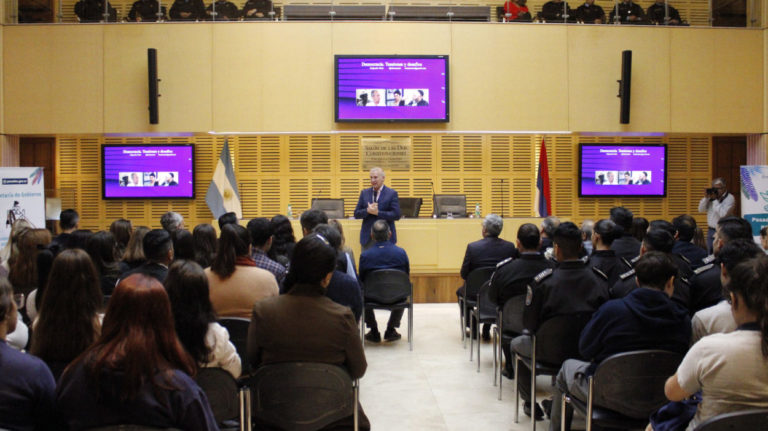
[757, 149]
[9, 150]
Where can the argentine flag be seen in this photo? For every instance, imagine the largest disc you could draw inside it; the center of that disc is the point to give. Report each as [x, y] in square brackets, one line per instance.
[223, 196]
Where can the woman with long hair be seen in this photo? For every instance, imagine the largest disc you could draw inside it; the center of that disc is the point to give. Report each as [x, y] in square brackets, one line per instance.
[23, 274]
[730, 370]
[204, 242]
[68, 320]
[137, 372]
[122, 230]
[204, 339]
[283, 240]
[11, 249]
[103, 249]
[234, 280]
[134, 251]
[183, 245]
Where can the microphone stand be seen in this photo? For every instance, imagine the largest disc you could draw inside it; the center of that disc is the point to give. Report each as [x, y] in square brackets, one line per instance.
[434, 203]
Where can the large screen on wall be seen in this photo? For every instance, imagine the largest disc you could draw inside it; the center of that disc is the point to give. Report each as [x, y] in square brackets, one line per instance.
[148, 171]
[392, 88]
[622, 170]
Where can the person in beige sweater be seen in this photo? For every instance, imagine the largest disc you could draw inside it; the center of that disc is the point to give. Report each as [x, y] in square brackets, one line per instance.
[234, 280]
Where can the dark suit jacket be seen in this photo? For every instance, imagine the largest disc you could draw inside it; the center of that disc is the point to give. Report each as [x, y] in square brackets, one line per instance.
[149, 268]
[486, 252]
[389, 210]
[627, 247]
[383, 255]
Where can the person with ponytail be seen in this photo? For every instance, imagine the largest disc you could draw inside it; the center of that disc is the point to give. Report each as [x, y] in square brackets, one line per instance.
[235, 282]
[730, 370]
[603, 258]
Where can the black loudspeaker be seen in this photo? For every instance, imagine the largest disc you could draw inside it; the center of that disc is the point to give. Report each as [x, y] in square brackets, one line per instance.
[152, 80]
[625, 85]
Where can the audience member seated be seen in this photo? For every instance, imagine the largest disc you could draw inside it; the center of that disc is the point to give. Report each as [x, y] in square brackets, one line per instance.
[158, 250]
[346, 259]
[684, 269]
[639, 227]
[625, 246]
[286, 328]
[146, 10]
[69, 319]
[194, 320]
[556, 11]
[102, 248]
[685, 227]
[570, 288]
[515, 10]
[171, 221]
[23, 274]
[764, 238]
[69, 222]
[548, 227]
[79, 238]
[706, 287]
[343, 289]
[11, 249]
[234, 280]
[227, 218]
[261, 238]
[93, 11]
[283, 240]
[383, 255]
[187, 10]
[137, 372]
[656, 14]
[587, 227]
[225, 11]
[134, 251]
[121, 229]
[645, 319]
[590, 13]
[718, 318]
[512, 277]
[204, 242]
[183, 245]
[730, 370]
[603, 258]
[627, 12]
[257, 9]
[27, 388]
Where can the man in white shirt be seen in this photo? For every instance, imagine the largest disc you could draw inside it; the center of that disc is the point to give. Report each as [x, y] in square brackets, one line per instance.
[718, 203]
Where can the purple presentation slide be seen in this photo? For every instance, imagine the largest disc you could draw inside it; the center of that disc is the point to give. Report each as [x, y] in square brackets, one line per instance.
[392, 88]
[623, 170]
[148, 171]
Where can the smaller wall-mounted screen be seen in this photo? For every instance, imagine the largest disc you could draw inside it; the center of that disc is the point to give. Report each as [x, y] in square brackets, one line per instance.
[148, 171]
[392, 88]
[623, 170]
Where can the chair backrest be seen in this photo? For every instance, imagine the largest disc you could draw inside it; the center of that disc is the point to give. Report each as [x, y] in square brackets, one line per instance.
[454, 204]
[475, 280]
[387, 286]
[632, 383]
[557, 339]
[736, 421]
[301, 396]
[221, 390]
[238, 335]
[333, 208]
[512, 314]
[486, 307]
[410, 207]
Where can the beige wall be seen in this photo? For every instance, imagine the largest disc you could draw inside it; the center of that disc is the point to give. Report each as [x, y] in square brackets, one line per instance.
[264, 77]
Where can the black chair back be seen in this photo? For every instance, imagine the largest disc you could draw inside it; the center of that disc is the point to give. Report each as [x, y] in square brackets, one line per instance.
[736, 421]
[386, 286]
[486, 308]
[632, 383]
[301, 396]
[557, 339]
[512, 314]
[238, 335]
[221, 390]
[476, 279]
[410, 207]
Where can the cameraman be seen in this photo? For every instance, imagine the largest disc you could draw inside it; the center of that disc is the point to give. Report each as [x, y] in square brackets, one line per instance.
[717, 203]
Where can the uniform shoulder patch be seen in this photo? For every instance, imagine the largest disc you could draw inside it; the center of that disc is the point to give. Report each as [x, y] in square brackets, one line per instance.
[626, 262]
[503, 262]
[627, 274]
[528, 295]
[601, 274]
[701, 269]
[634, 260]
[685, 281]
[709, 259]
[685, 259]
[543, 275]
[585, 258]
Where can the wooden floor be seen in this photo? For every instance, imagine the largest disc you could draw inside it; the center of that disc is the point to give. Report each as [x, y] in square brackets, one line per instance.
[435, 288]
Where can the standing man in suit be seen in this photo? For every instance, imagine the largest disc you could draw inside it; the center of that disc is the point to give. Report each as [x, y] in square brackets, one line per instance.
[377, 203]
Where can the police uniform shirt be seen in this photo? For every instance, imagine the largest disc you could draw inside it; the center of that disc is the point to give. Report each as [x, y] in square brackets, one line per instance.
[195, 8]
[512, 276]
[626, 10]
[588, 14]
[610, 264]
[692, 254]
[225, 10]
[656, 14]
[627, 246]
[706, 288]
[572, 287]
[146, 10]
[552, 11]
[628, 282]
[262, 6]
[683, 267]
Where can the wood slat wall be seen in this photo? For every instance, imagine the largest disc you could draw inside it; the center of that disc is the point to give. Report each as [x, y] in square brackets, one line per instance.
[496, 171]
[696, 12]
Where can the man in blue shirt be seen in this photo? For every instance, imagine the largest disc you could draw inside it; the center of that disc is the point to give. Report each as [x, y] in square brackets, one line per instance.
[383, 255]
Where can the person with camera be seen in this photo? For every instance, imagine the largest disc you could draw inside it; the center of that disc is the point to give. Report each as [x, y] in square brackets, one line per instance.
[717, 203]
